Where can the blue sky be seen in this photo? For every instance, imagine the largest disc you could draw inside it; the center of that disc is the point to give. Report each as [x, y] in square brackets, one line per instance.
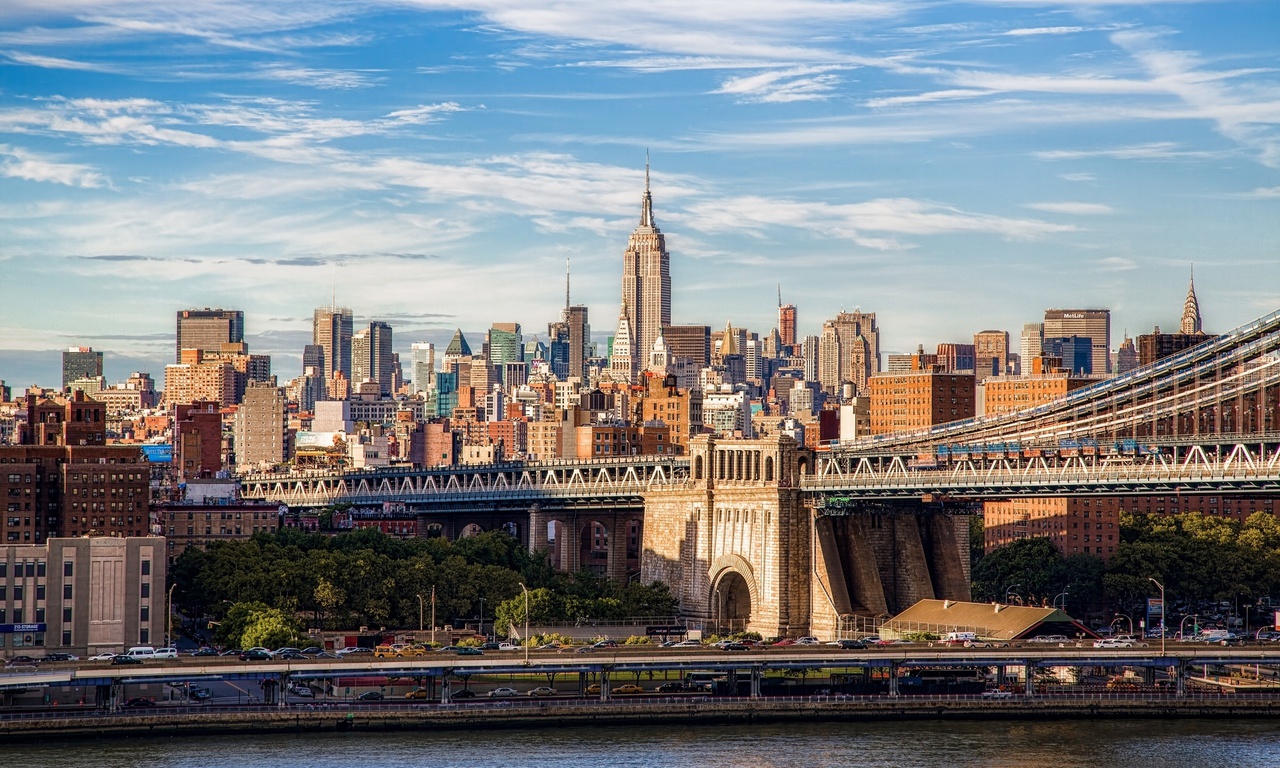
[952, 166]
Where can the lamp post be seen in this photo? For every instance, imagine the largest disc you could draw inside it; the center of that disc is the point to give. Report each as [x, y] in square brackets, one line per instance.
[433, 615]
[419, 614]
[486, 637]
[1063, 594]
[1163, 608]
[717, 598]
[1120, 616]
[168, 633]
[1007, 591]
[526, 622]
[1182, 625]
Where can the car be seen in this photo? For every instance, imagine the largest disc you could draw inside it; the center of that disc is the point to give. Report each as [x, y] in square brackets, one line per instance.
[139, 703]
[353, 649]
[21, 659]
[503, 693]
[232, 652]
[302, 691]
[605, 644]
[508, 647]
[851, 645]
[325, 655]
[548, 647]
[369, 696]
[670, 688]
[885, 642]
[628, 689]
[488, 646]
[587, 649]
[1112, 642]
[285, 649]
[689, 644]
[784, 642]
[200, 694]
[593, 689]
[463, 694]
[103, 657]
[543, 690]
[260, 648]
[124, 658]
[410, 651]
[418, 693]
[204, 652]
[469, 652]
[291, 656]
[997, 695]
[312, 650]
[807, 641]
[255, 655]
[165, 653]
[733, 647]
[448, 649]
[48, 657]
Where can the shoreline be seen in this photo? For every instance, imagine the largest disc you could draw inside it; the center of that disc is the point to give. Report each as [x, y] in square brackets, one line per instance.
[733, 711]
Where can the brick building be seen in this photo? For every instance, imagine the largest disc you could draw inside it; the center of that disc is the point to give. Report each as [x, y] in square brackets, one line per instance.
[908, 401]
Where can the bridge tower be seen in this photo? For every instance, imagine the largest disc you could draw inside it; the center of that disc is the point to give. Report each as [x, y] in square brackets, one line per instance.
[733, 542]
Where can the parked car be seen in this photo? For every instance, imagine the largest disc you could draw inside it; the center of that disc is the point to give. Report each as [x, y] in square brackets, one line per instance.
[503, 693]
[543, 690]
[255, 655]
[302, 691]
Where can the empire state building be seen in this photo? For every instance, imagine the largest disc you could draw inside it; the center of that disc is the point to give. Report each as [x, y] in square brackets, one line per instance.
[646, 280]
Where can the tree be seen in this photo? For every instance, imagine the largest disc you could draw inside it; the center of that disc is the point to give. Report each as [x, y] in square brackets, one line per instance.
[1034, 564]
[237, 619]
[269, 629]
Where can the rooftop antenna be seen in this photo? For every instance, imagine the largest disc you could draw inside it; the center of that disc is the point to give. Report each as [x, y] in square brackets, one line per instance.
[333, 295]
[779, 295]
[566, 286]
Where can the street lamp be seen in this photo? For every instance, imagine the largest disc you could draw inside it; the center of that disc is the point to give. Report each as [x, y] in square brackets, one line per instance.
[1007, 591]
[526, 622]
[1063, 594]
[486, 637]
[1163, 608]
[716, 593]
[1120, 616]
[168, 633]
[433, 615]
[419, 615]
[1182, 625]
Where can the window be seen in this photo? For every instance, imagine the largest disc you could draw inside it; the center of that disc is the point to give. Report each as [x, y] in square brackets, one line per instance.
[66, 615]
[40, 574]
[39, 592]
[144, 615]
[146, 567]
[66, 637]
[17, 593]
[68, 568]
[66, 591]
[31, 567]
[39, 615]
[144, 636]
[146, 589]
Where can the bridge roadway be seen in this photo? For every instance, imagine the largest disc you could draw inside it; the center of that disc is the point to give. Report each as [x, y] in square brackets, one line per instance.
[627, 662]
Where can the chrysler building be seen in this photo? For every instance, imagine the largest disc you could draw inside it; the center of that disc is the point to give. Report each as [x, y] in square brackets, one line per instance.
[646, 277]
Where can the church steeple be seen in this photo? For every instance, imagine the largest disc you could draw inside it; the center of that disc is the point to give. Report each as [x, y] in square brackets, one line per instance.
[1191, 310]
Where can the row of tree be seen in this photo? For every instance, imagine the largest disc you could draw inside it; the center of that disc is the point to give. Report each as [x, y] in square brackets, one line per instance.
[1198, 558]
[365, 578]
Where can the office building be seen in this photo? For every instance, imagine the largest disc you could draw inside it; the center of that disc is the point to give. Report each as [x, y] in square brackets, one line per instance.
[691, 342]
[786, 324]
[905, 402]
[208, 329]
[506, 345]
[80, 363]
[1076, 353]
[646, 278]
[990, 353]
[1031, 343]
[1093, 324]
[371, 357]
[331, 331]
[262, 427]
[423, 365]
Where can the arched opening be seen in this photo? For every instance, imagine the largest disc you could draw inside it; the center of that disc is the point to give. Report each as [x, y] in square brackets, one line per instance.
[434, 530]
[471, 529]
[768, 469]
[593, 547]
[512, 529]
[731, 604]
[697, 467]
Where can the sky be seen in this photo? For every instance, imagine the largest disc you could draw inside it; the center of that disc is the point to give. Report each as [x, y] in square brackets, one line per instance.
[950, 166]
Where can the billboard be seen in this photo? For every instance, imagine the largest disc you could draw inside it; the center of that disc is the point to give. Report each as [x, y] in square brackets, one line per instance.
[158, 453]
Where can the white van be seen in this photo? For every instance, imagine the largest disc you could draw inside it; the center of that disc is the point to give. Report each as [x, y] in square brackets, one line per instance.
[959, 638]
[166, 653]
[141, 652]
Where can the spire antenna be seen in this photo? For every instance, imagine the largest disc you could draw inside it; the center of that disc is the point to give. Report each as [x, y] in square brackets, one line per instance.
[566, 286]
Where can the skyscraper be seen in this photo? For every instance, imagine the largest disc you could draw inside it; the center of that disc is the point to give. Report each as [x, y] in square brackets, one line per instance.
[208, 329]
[1191, 311]
[1032, 342]
[371, 358]
[424, 365]
[990, 353]
[787, 324]
[1094, 324]
[331, 331]
[80, 363]
[646, 278]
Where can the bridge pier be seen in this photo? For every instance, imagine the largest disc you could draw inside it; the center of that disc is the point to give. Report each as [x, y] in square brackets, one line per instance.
[893, 678]
[756, 674]
[1029, 671]
[446, 688]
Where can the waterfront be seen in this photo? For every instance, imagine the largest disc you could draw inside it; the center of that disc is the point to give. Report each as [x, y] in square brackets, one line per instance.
[1202, 743]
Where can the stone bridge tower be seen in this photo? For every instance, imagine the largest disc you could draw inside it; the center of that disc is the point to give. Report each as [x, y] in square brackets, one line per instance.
[733, 543]
[741, 550]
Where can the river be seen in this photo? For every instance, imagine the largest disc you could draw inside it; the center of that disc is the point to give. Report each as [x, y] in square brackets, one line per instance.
[1059, 744]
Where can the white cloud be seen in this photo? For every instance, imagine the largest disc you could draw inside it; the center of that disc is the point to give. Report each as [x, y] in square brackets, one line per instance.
[784, 85]
[1117, 264]
[1077, 177]
[1160, 150]
[1072, 208]
[54, 62]
[18, 163]
[328, 79]
[926, 98]
[1033, 31]
[1261, 193]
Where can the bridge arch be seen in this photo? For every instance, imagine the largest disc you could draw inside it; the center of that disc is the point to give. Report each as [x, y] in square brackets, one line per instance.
[469, 530]
[734, 594]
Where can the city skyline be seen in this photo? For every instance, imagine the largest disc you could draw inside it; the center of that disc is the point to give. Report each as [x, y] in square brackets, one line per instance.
[951, 167]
